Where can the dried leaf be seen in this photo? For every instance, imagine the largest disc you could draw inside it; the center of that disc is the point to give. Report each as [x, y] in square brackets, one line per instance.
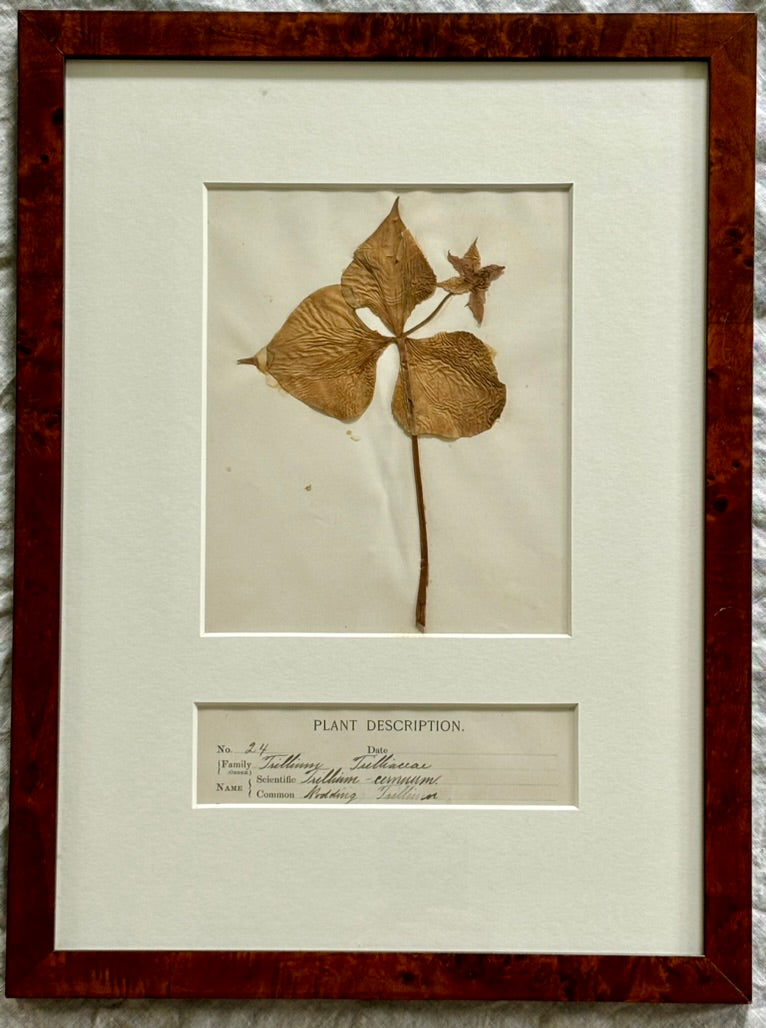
[324, 355]
[472, 279]
[389, 273]
[447, 387]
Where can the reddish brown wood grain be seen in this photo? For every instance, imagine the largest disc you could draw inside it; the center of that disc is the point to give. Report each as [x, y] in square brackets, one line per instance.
[727, 44]
[386, 36]
[728, 472]
[34, 739]
[297, 975]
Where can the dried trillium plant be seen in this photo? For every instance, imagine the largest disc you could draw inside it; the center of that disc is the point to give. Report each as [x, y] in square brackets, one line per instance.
[326, 356]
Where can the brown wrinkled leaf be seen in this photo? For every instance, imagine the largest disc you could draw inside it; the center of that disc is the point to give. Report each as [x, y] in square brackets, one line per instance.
[389, 273]
[449, 387]
[472, 278]
[324, 355]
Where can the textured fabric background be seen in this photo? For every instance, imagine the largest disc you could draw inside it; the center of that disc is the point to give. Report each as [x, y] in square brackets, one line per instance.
[287, 1014]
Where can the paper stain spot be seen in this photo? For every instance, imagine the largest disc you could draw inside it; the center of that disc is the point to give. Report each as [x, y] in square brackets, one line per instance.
[352, 437]
[228, 467]
[308, 487]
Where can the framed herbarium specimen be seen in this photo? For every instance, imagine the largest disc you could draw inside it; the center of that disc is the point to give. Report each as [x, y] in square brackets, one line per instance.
[383, 473]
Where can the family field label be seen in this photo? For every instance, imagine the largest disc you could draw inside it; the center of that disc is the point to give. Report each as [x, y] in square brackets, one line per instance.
[469, 756]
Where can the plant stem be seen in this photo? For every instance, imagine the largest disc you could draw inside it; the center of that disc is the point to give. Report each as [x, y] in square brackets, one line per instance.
[432, 315]
[420, 605]
[408, 332]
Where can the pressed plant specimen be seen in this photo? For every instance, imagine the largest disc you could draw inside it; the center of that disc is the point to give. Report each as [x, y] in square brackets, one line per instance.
[326, 356]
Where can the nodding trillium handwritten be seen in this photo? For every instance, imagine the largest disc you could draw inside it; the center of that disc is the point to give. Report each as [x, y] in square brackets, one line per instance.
[447, 386]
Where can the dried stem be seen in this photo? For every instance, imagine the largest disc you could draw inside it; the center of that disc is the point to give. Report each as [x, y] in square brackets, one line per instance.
[406, 334]
[431, 316]
[420, 605]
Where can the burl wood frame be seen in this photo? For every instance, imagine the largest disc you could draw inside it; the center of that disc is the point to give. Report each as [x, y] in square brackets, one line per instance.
[47, 39]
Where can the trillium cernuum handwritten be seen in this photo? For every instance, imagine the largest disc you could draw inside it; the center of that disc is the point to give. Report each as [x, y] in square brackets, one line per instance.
[447, 386]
